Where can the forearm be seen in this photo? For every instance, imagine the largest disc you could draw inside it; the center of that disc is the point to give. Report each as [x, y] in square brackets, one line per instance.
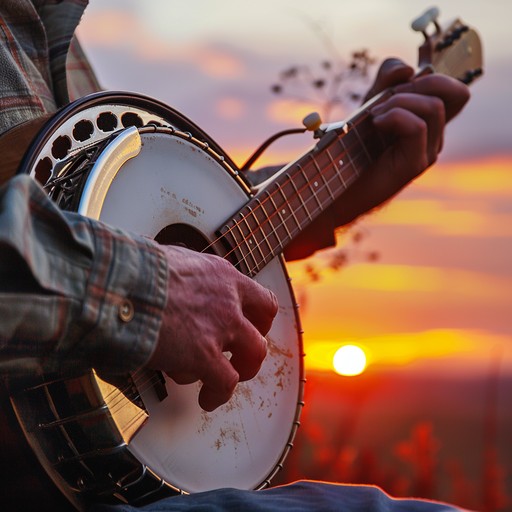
[68, 287]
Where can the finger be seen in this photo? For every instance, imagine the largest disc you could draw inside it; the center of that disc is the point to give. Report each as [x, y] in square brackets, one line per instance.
[429, 108]
[218, 384]
[407, 156]
[259, 305]
[392, 72]
[248, 352]
[452, 92]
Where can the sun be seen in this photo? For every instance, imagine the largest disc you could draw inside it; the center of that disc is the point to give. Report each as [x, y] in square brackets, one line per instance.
[349, 360]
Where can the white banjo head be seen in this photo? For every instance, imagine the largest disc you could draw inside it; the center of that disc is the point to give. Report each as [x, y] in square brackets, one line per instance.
[147, 181]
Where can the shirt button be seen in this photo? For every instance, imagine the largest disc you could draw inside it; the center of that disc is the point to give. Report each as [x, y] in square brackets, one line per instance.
[126, 311]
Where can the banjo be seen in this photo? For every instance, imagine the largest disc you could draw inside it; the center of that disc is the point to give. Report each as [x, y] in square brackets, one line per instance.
[133, 162]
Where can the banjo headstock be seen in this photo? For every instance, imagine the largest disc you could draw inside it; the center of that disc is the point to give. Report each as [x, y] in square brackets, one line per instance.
[454, 49]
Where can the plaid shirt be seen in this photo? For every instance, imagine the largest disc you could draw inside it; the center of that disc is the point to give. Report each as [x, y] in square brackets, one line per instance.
[43, 66]
[68, 285]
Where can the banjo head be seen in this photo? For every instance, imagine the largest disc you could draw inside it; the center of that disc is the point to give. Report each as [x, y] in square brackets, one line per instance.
[138, 165]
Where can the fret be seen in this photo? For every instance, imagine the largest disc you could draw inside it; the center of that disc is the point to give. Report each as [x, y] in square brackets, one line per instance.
[359, 163]
[277, 224]
[247, 241]
[300, 214]
[284, 207]
[267, 221]
[281, 210]
[238, 245]
[303, 204]
[254, 230]
[323, 171]
[313, 187]
[288, 201]
[298, 179]
[375, 142]
[325, 162]
[262, 241]
[354, 129]
[344, 165]
[352, 166]
[235, 255]
[333, 165]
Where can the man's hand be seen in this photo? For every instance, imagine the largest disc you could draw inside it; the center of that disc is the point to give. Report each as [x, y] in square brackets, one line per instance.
[212, 309]
[413, 119]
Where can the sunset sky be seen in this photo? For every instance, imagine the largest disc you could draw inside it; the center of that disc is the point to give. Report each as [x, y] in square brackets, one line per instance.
[441, 289]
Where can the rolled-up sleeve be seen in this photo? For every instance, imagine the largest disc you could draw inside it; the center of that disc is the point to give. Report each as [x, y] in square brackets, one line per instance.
[74, 293]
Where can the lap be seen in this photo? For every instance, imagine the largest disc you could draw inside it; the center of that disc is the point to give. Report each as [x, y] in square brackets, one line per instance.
[296, 497]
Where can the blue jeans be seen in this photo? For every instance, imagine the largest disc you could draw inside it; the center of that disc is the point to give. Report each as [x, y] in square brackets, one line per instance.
[297, 497]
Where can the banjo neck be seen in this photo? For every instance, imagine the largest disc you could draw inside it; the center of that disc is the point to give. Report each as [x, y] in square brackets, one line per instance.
[303, 190]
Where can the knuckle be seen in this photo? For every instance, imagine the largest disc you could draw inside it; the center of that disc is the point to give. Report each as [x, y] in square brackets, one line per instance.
[225, 264]
[420, 127]
[228, 385]
[396, 114]
[274, 303]
[221, 265]
[437, 107]
[209, 351]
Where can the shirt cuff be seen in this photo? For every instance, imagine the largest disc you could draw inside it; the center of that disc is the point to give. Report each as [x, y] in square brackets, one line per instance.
[125, 298]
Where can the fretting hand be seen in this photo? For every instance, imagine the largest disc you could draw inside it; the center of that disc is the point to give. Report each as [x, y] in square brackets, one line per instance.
[414, 118]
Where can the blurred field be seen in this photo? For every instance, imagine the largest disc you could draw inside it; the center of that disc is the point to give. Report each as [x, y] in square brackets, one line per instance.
[412, 433]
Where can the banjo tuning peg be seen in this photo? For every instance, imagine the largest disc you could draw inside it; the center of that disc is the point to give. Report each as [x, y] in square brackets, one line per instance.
[421, 23]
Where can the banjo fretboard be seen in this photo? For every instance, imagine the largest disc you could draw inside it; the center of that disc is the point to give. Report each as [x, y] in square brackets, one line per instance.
[301, 192]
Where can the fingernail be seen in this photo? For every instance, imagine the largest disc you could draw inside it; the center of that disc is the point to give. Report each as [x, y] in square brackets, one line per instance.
[264, 346]
[275, 302]
[377, 110]
[394, 62]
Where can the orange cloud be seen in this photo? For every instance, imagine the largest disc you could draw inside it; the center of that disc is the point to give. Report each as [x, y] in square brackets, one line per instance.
[395, 278]
[410, 278]
[464, 204]
[289, 111]
[444, 217]
[215, 62]
[487, 177]
[230, 108]
[112, 28]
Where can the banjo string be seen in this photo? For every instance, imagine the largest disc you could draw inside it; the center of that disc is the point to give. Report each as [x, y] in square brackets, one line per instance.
[358, 156]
